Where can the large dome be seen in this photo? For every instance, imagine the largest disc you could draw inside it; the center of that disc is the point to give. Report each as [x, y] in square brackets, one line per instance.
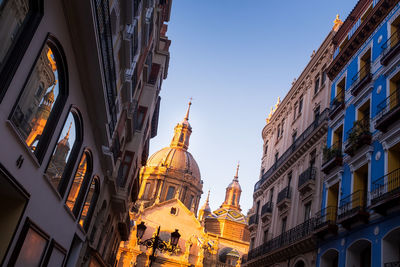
[175, 158]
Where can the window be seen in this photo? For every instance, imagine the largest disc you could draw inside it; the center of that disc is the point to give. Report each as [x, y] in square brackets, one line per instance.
[90, 203]
[323, 77]
[340, 89]
[252, 240]
[289, 178]
[294, 135]
[36, 117]
[233, 199]
[316, 85]
[18, 22]
[282, 126]
[271, 194]
[30, 247]
[294, 111]
[316, 113]
[266, 148]
[276, 156]
[190, 202]
[283, 225]
[13, 201]
[170, 193]
[258, 208]
[80, 183]
[124, 168]
[307, 211]
[64, 154]
[300, 106]
[265, 238]
[278, 131]
[55, 255]
[312, 158]
[141, 114]
[146, 191]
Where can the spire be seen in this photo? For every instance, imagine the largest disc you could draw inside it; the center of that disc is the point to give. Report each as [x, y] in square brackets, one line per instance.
[237, 170]
[69, 129]
[208, 197]
[188, 110]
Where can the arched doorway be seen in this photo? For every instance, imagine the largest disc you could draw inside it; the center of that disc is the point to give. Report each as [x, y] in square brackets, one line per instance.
[330, 258]
[300, 263]
[391, 247]
[359, 254]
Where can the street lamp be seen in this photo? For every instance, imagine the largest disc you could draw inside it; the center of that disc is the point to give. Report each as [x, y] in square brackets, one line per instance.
[156, 242]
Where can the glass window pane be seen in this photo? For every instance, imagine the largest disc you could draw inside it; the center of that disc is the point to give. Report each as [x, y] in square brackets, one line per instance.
[170, 193]
[32, 250]
[12, 16]
[56, 258]
[77, 183]
[41, 91]
[62, 152]
[89, 198]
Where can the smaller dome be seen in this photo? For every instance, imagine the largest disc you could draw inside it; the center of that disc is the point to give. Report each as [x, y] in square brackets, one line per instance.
[175, 158]
[235, 184]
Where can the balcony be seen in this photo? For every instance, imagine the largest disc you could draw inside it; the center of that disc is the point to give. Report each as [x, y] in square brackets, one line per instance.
[253, 221]
[307, 181]
[332, 157]
[266, 212]
[283, 201]
[388, 111]
[358, 136]
[352, 209]
[298, 240]
[325, 222]
[309, 136]
[390, 48]
[361, 79]
[337, 104]
[385, 192]
[392, 264]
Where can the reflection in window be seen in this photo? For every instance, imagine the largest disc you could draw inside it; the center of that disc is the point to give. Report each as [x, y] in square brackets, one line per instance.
[77, 182]
[90, 203]
[32, 250]
[62, 152]
[12, 16]
[31, 114]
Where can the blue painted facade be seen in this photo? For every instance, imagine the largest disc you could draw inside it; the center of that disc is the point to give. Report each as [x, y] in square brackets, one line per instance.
[378, 226]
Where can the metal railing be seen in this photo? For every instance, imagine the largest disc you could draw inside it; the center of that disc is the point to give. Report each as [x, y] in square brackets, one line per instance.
[284, 193]
[363, 72]
[355, 135]
[307, 175]
[335, 150]
[323, 117]
[392, 264]
[385, 186]
[267, 208]
[291, 236]
[325, 217]
[390, 103]
[253, 219]
[352, 203]
[390, 43]
[337, 101]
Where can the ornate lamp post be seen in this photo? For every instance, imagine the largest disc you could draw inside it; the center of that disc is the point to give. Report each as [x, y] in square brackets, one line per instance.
[156, 243]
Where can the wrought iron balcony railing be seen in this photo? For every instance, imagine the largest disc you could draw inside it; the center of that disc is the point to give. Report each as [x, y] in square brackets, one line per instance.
[334, 151]
[337, 103]
[323, 117]
[388, 110]
[326, 217]
[352, 204]
[390, 47]
[385, 186]
[362, 77]
[284, 193]
[253, 219]
[289, 237]
[266, 208]
[358, 136]
[307, 175]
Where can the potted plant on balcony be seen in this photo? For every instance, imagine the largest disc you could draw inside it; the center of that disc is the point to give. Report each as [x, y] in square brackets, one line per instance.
[358, 137]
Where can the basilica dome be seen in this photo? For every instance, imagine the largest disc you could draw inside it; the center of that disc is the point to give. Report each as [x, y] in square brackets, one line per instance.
[176, 158]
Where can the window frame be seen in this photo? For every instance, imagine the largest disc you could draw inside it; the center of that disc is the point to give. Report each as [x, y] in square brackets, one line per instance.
[59, 104]
[17, 50]
[93, 203]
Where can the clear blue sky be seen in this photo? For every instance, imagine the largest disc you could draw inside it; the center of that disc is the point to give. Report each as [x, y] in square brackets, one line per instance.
[235, 58]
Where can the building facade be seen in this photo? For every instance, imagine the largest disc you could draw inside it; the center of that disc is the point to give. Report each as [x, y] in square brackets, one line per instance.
[79, 102]
[359, 221]
[290, 186]
[169, 196]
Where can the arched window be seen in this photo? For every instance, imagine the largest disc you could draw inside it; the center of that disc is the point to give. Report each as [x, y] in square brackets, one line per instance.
[65, 153]
[90, 203]
[18, 23]
[37, 111]
[80, 183]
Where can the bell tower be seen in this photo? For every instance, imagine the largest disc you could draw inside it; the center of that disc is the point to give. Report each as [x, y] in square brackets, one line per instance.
[233, 191]
[182, 132]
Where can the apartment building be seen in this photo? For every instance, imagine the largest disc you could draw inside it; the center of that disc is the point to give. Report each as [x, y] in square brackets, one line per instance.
[79, 102]
[359, 221]
[290, 186]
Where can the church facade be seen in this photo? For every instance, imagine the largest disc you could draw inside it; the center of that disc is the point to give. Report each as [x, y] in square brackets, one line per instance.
[171, 187]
